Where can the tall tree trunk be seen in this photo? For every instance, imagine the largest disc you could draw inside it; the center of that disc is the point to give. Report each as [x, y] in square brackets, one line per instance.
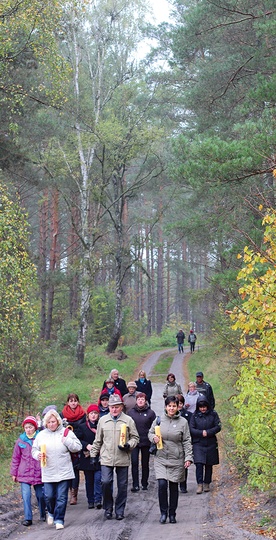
[119, 202]
[43, 235]
[73, 245]
[52, 263]
[168, 306]
[153, 297]
[149, 288]
[160, 282]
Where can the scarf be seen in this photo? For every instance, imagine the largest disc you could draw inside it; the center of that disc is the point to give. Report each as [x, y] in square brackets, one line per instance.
[139, 409]
[73, 416]
[24, 437]
[92, 427]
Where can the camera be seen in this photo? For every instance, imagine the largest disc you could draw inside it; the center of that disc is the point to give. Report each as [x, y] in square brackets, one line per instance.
[153, 449]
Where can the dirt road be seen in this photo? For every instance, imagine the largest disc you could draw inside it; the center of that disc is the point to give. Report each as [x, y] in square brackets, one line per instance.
[197, 516]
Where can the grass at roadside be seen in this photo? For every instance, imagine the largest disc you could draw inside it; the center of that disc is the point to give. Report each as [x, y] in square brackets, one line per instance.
[161, 369]
[218, 367]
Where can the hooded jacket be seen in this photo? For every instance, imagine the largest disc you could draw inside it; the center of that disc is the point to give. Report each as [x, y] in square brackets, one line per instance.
[205, 448]
[23, 466]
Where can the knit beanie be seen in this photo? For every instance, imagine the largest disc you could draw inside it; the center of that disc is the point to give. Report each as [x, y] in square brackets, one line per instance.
[30, 420]
[49, 408]
[93, 407]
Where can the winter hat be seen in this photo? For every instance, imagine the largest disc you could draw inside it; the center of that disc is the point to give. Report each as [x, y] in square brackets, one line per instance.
[141, 394]
[199, 374]
[109, 379]
[115, 400]
[132, 384]
[49, 408]
[93, 407]
[30, 420]
[104, 395]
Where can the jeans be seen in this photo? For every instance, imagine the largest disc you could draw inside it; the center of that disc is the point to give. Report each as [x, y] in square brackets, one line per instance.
[107, 485]
[26, 492]
[135, 465]
[56, 496]
[166, 506]
[180, 347]
[93, 486]
[205, 478]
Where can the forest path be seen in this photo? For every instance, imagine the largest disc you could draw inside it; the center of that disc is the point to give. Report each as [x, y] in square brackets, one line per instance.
[203, 516]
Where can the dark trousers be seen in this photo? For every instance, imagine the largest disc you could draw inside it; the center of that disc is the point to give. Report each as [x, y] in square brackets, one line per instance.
[184, 484]
[74, 483]
[192, 346]
[204, 473]
[107, 487]
[135, 465]
[167, 504]
[93, 486]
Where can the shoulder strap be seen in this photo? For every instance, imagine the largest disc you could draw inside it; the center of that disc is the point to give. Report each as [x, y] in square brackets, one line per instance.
[158, 420]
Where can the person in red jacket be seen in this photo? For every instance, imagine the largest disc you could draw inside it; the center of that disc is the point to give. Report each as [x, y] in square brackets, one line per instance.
[27, 471]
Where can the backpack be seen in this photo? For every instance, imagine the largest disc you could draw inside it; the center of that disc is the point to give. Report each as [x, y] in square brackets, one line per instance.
[192, 338]
[75, 456]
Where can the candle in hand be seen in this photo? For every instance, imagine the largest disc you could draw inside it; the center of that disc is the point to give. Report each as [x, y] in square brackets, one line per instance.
[43, 455]
[123, 435]
[158, 433]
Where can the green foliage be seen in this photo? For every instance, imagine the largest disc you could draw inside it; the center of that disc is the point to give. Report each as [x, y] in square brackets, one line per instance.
[18, 318]
[255, 319]
[28, 34]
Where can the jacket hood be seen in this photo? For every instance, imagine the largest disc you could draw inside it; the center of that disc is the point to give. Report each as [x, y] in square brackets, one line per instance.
[202, 399]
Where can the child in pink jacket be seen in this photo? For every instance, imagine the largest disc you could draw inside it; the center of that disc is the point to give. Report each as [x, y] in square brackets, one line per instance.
[27, 471]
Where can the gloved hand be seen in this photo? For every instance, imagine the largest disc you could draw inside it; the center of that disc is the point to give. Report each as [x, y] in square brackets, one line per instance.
[125, 448]
[94, 463]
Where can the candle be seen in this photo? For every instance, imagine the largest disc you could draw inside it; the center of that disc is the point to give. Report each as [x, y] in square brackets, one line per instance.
[123, 435]
[158, 433]
[43, 455]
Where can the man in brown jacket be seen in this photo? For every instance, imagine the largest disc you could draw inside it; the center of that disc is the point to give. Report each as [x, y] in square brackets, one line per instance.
[114, 453]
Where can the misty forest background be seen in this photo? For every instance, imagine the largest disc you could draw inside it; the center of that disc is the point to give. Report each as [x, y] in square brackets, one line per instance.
[138, 193]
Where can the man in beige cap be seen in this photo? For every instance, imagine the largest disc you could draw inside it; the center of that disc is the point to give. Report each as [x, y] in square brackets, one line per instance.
[114, 453]
[129, 399]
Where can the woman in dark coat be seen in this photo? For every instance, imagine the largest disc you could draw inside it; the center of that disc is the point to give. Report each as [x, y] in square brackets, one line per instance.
[92, 473]
[143, 417]
[144, 385]
[204, 425]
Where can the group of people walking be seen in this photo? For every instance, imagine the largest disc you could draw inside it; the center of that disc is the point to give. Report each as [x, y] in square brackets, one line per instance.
[120, 430]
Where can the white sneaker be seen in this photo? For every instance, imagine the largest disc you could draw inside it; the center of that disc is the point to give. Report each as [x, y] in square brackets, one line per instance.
[59, 526]
[50, 520]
